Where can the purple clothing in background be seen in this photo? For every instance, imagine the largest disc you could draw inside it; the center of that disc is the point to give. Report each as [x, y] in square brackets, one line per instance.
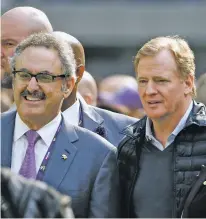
[127, 97]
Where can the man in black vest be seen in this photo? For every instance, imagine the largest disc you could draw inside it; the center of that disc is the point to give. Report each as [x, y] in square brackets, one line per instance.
[163, 152]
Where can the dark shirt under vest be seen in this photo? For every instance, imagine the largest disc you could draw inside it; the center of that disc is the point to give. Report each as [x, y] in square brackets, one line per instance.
[153, 196]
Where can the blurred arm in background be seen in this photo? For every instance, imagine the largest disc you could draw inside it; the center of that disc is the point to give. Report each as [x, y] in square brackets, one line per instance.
[22, 198]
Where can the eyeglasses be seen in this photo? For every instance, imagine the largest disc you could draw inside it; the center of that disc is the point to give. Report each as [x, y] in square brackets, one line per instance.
[42, 77]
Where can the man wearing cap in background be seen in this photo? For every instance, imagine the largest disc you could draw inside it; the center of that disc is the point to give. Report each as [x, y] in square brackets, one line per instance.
[126, 98]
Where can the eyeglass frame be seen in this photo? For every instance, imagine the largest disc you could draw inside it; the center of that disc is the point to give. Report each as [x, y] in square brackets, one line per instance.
[14, 72]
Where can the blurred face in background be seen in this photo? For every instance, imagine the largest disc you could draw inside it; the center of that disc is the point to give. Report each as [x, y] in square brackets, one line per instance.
[13, 31]
[164, 94]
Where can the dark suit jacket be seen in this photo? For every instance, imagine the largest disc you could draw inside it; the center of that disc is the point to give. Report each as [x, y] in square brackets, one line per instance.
[195, 204]
[89, 175]
[107, 124]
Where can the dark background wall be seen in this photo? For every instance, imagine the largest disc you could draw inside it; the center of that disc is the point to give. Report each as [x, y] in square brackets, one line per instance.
[113, 30]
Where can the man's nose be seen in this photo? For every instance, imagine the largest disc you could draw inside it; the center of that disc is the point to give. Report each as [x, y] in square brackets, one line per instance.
[33, 85]
[151, 88]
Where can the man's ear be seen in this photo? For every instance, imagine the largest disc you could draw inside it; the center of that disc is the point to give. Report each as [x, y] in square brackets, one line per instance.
[189, 84]
[79, 73]
[64, 88]
[68, 86]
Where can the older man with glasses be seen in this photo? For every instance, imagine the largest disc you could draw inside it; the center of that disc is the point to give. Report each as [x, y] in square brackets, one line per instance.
[37, 142]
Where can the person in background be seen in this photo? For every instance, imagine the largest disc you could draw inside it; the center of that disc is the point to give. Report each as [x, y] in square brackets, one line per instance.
[113, 83]
[164, 151]
[39, 143]
[107, 124]
[117, 109]
[121, 92]
[17, 24]
[6, 102]
[88, 89]
[201, 89]
[126, 98]
[22, 198]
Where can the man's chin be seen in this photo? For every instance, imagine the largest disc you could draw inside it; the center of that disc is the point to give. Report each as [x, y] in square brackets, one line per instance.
[31, 115]
[31, 112]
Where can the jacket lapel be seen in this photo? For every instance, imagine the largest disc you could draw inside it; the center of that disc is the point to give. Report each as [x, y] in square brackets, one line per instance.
[194, 191]
[91, 119]
[94, 122]
[7, 132]
[62, 156]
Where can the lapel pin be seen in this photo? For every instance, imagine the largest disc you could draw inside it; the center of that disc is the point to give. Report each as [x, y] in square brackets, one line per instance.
[204, 183]
[64, 156]
[101, 131]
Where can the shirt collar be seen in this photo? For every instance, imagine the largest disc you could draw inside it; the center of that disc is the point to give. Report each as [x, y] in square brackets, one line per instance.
[148, 131]
[178, 128]
[20, 128]
[72, 113]
[183, 121]
[46, 133]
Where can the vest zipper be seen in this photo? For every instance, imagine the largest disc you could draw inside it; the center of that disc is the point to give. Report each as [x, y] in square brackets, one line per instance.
[138, 154]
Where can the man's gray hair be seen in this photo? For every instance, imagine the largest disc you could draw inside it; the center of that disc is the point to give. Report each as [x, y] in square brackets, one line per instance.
[49, 41]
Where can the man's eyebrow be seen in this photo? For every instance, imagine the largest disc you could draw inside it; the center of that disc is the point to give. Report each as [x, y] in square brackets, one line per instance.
[22, 69]
[6, 40]
[40, 72]
[141, 78]
[45, 72]
[161, 77]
